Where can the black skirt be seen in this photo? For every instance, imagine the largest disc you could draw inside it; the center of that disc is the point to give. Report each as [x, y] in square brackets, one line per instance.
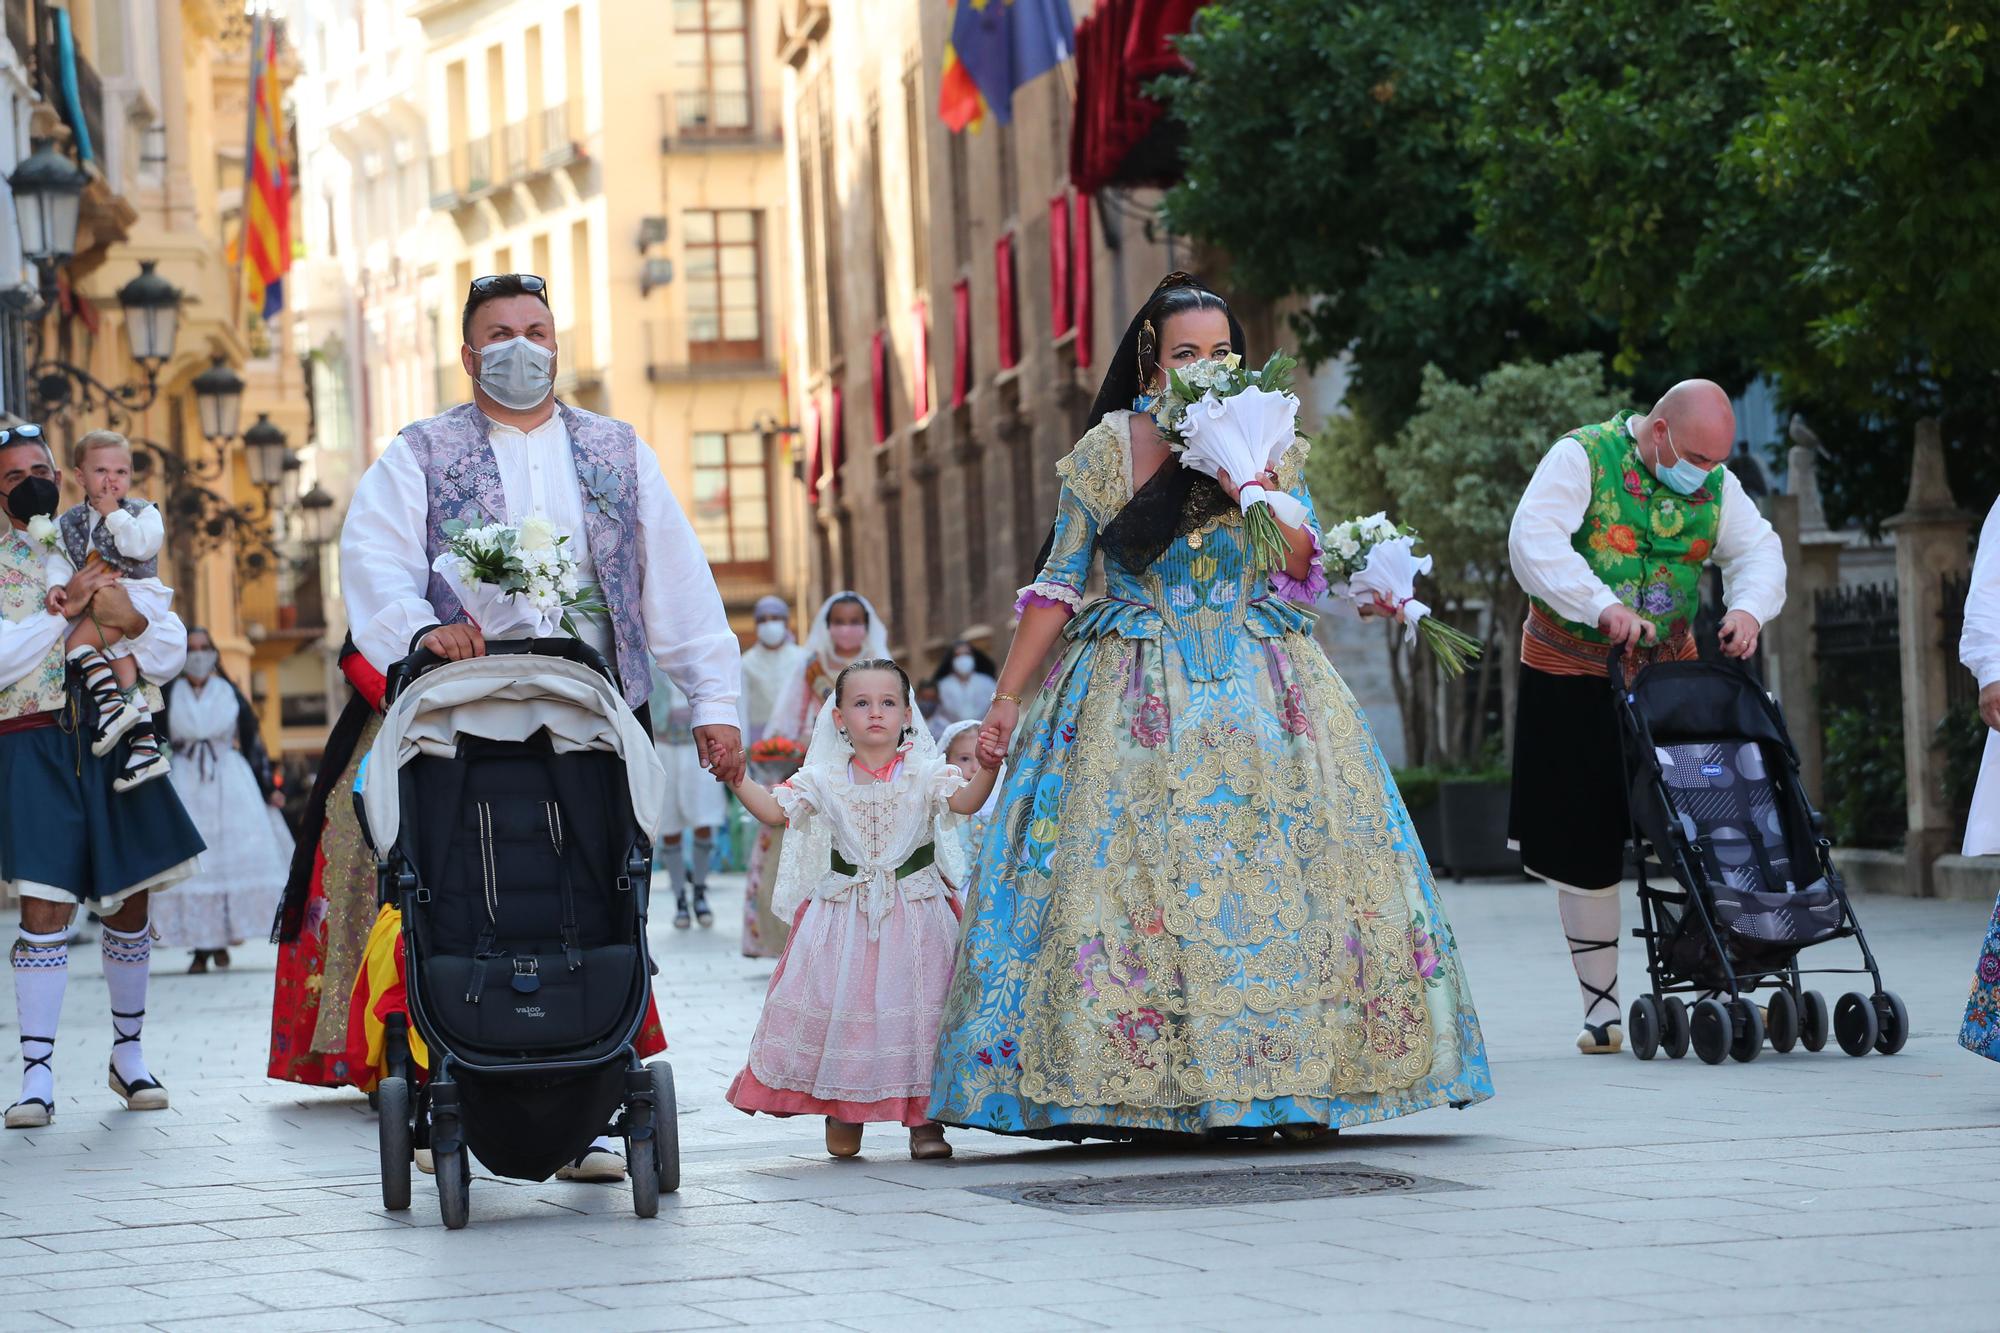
[1568, 815]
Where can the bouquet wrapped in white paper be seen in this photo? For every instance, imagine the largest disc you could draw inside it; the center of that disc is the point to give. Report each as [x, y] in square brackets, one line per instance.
[515, 581]
[1220, 417]
[1372, 563]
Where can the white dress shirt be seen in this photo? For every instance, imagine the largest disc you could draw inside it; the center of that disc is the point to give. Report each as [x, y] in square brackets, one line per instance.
[1552, 512]
[159, 653]
[965, 699]
[1979, 650]
[384, 569]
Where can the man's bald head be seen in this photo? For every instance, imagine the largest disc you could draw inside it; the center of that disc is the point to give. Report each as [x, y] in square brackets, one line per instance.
[1697, 417]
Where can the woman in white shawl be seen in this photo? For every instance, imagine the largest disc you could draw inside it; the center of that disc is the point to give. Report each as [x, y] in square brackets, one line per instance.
[234, 894]
[846, 628]
[1979, 650]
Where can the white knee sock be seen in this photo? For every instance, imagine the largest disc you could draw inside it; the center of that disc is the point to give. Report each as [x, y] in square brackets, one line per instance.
[1587, 919]
[674, 854]
[704, 856]
[127, 959]
[41, 970]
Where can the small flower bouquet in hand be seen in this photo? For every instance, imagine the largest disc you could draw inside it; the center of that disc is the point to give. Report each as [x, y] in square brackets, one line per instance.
[516, 579]
[779, 755]
[1372, 563]
[1220, 417]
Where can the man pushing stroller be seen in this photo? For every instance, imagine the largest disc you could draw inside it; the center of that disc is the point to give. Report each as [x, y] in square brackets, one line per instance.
[1610, 540]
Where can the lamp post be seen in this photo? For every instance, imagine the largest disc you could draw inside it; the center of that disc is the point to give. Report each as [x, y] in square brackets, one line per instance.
[48, 200]
[218, 398]
[317, 507]
[265, 452]
[152, 308]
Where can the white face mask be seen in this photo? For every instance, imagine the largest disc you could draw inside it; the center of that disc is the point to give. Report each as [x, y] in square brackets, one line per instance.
[201, 663]
[771, 633]
[517, 374]
[963, 664]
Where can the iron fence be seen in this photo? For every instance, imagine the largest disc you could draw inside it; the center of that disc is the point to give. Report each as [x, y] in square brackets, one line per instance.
[1858, 643]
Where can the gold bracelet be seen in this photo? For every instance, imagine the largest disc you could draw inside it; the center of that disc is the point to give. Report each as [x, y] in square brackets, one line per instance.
[1013, 699]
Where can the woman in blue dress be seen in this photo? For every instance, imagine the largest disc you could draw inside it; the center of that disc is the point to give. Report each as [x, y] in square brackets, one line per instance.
[1201, 907]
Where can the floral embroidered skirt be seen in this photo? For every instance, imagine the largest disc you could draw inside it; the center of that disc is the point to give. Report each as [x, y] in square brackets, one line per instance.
[1201, 906]
[1980, 1033]
[850, 1023]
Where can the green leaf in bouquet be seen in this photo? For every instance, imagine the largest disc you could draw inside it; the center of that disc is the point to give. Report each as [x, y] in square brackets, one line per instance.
[1276, 376]
[455, 528]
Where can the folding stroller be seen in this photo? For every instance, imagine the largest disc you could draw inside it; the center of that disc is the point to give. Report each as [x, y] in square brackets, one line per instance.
[510, 801]
[1715, 798]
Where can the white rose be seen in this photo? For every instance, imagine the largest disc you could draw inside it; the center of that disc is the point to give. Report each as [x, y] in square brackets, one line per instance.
[1345, 546]
[42, 528]
[537, 534]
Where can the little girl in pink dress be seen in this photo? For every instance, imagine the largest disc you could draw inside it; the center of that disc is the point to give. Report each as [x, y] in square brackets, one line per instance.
[850, 1023]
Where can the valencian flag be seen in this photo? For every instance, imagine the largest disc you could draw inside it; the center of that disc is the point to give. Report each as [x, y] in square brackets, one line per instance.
[266, 249]
[998, 45]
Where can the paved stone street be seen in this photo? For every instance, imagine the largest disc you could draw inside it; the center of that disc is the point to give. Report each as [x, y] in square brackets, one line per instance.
[1798, 1191]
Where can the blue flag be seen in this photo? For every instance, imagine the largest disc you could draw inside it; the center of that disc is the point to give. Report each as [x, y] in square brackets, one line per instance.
[1005, 43]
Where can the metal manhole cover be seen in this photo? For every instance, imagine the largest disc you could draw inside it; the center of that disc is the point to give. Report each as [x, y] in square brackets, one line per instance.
[1215, 1189]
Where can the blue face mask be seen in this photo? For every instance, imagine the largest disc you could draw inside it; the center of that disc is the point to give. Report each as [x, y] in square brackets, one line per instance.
[1685, 477]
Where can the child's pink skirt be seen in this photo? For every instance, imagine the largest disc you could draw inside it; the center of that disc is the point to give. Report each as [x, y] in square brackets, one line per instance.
[850, 1024]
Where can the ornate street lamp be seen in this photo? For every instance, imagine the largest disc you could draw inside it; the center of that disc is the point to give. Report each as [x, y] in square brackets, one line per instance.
[218, 396]
[152, 308]
[48, 199]
[317, 506]
[264, 450]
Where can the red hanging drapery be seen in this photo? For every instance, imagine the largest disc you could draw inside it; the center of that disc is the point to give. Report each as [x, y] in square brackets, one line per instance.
[1082, 304]
[1117, 137]
[920, 361]
[812, 442]
[1006, 307]
[836, 443]
[1062, 314]
[961, 333]
[878, 383]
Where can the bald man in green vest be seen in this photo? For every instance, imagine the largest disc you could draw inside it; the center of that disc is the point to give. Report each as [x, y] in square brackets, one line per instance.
[1610, 540]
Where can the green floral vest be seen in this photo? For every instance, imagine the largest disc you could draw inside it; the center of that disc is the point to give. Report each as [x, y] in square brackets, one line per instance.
[1646, 541]
[23, 585]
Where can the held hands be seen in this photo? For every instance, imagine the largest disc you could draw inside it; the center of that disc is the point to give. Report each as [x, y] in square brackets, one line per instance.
[996, 733]
[722, 752]
[1624, 626]
[1738, 635]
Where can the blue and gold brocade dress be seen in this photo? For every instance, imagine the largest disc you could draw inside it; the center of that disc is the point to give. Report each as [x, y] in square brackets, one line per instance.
[1200, 904]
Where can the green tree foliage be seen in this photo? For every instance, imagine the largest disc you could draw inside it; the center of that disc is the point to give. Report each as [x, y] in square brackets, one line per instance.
[1807, 190]
[1456, 472]
[1325, 155]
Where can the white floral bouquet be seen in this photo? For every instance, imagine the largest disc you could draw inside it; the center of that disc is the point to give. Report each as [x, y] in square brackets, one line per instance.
[1220, 417]
[1372, 564]
[516, 579]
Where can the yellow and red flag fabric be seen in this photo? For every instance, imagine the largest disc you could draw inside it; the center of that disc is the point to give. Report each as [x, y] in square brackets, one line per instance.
[960, 106]
[266, 251]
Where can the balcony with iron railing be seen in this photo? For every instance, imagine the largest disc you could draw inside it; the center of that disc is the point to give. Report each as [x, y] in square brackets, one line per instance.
[703, 119]
[444, 181]
[479, 165]
[514, 151]
[561, 141]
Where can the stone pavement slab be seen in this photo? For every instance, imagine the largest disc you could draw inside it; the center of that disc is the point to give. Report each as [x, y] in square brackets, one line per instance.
[1798, 1191]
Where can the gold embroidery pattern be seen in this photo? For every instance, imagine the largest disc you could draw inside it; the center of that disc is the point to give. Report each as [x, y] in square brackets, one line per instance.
[1095, 470]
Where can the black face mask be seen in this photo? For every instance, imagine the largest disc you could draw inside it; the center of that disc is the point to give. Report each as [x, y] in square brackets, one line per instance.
[34, 497]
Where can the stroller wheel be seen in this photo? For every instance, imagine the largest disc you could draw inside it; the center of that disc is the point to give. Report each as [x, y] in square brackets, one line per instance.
[643, 1165]
[1674, 1027]
[1855, 1025]
[1644, 1024]
[393, 1135]
[454, 1178]
[1893, 1021]
[1814, 1023]
[666, 1126]
[1784, 1020]
[1746, 1042]
[1709, 1031]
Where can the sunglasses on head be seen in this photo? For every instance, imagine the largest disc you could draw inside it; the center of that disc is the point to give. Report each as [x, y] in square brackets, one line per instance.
[27, 431]
[529, 283]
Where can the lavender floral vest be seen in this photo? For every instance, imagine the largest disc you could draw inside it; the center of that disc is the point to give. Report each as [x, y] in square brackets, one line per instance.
[462, 481]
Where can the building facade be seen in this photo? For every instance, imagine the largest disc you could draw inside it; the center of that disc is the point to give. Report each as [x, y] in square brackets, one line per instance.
[957, 299]
[628, 151]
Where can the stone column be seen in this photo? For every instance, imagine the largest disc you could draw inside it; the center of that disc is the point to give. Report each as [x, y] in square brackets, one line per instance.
[1931, 536]
[1812, 566]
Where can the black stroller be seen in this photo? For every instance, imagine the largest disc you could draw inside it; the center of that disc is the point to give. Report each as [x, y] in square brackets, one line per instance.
[1715, 798]
[509, 801]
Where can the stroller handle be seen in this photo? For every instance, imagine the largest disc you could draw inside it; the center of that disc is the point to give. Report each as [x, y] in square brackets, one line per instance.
[423, 659]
